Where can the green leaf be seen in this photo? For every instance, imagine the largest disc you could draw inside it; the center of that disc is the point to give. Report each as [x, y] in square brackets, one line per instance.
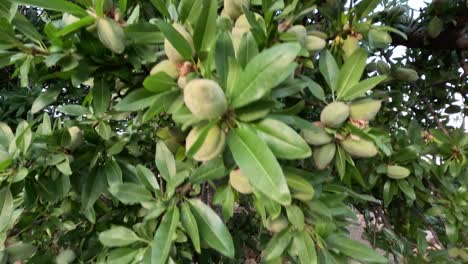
[359, 89]
[233, 77]
[282, 140]
[64, 167]
[301, 189]
[340, 161]
[329, 69]
[406, 189]
[264, 72]
[164, 236]
[118, 236]
[295, 216]
[190, 225]
[354, 249]
[212, 230]
[101, 95]
[259, 164]
[6, 205]
[143, 33]
[277, 245]
[94, 186]
[225, 197]
[122, 255]
[136, 100]
[211, 170]
[294, 121]
[352, 70]
[223, 51]
[161, 7]
[104, 130]
[56, 5]
[176, 39]
[5, 160]
[22, 24]
[387, 193]
[113, 173]
[45, 99]
[147, 177]
[315, 89]
[205, 29]
[248, 49]
[305, 248]
[159, 82]
[165, 161]
[83, 22]
[72, 110]
[131, 193]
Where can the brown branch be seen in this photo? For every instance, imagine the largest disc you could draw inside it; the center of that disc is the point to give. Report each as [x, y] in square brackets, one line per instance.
[452, 38]
[436, 118]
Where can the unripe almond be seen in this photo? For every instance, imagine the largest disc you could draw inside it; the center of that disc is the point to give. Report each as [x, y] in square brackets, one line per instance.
[350, 45]
[68, 19]
[397, 172]
[111, 34]
[243, 23]
[76, 137]
[166, 66]
[211, 147]
[278, 224]
[334, 114]
[359, 148]
[405, 75]
[383, 67]
[364, 109]
[379, 38]
[324, 155]
[236, 35]
[171, 52]
[314, 43]
[316, 137]
[205, 99]
[319, 34]
[300, 32]
[240, 182]
[233, 8]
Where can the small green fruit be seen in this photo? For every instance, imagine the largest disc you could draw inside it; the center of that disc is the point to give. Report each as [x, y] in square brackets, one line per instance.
[324, 155]
[314, 43]
[359, 148]
[240, 182]
[211, 147]
[316, 137]
[379, 39]
[405, 75]
[397, 172]
[364, 109]
[171, 52]
[350, 45]
[334, 114]
[278, 224]
[319, 34]
[243, 22]
[76, 137]
[383, 67]
[233, 8]
[111, 34]
[167, 67]
[236, 35]
[205, 99]
[68, 19]
[300, 32]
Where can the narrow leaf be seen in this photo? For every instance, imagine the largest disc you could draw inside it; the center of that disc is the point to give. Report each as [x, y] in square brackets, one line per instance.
[259, 164]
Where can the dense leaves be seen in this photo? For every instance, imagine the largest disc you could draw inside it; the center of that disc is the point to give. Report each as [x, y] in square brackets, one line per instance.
[311, 120]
